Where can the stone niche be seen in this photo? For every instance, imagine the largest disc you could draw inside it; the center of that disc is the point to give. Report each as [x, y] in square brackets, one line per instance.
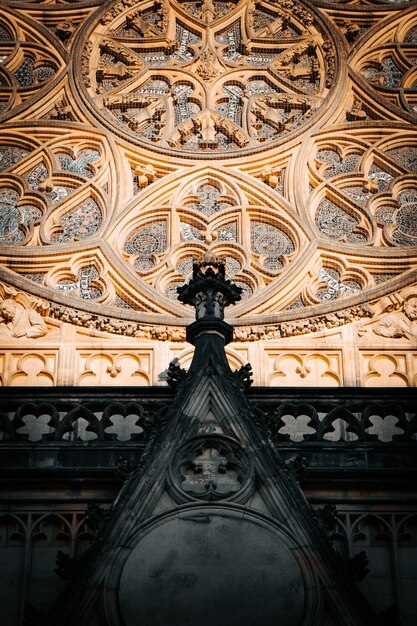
[208, 567]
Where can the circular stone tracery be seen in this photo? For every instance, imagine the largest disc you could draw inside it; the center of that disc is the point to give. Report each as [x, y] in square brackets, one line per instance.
[229, 67]
[210, 78]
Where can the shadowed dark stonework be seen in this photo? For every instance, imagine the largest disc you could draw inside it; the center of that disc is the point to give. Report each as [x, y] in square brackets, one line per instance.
[211, 525]
[214, 568]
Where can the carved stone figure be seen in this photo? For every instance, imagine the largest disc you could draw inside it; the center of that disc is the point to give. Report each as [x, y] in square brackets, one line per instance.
[208, 11]
[207, 68]
[146, 174]
[200, 304]
[402, 324]
[218, 305]
[21, 321]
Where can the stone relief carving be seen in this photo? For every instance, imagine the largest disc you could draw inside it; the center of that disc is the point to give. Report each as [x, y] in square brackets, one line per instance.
[210, 468]
[161, 332]
[21, 315]
[279, 58]
[20, 321]
[182, 115]
[302, 326]
[241, 333]
[401, 324]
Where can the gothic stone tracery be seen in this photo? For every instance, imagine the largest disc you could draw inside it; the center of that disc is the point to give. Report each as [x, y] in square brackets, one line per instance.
[138, 136]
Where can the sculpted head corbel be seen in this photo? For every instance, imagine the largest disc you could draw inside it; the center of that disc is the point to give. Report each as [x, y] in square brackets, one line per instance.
[410, 306]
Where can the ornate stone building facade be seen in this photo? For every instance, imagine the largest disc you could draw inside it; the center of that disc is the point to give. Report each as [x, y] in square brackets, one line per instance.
[279, 135]
[135, 137]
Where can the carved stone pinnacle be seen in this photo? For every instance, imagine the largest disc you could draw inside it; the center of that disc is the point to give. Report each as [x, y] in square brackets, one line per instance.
[208, 290]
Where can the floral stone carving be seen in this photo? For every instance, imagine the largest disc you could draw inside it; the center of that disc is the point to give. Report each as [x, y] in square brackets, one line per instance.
[211, 468]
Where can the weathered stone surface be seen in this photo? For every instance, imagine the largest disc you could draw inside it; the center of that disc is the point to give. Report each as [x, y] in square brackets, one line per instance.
[206, 568]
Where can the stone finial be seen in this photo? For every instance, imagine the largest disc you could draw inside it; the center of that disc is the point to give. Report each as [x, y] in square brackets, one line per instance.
[208, 290]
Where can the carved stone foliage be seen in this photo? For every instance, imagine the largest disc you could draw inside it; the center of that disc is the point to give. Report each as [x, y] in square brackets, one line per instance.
[302, 326]
[211, 468]
[208, 290]
[269, 69]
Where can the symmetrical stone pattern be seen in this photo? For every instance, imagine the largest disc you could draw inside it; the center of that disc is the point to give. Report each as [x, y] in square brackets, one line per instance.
[208, 463]
[218, 79]
[279, 136]
[387, 536]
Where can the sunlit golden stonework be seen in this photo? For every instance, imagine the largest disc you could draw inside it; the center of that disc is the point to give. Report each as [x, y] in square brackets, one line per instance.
[210, 77]
[138, 136]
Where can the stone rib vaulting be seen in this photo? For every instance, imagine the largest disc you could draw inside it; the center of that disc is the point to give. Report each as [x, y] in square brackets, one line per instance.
[277, 138]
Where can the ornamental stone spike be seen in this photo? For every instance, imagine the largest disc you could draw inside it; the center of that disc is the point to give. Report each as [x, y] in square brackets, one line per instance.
[209, 292]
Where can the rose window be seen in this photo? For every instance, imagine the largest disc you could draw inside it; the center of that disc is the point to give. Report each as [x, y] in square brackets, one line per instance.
[278, 136]
[202, 86]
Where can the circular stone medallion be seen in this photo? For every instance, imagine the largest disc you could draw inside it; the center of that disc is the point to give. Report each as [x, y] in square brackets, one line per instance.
[226, 79]
[205, 568]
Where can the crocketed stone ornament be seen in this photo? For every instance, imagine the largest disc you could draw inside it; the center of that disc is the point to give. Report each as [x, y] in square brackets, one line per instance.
[220, 77]
[208, 290]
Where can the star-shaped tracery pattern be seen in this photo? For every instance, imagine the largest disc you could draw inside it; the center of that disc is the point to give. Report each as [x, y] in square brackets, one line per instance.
[195, 83]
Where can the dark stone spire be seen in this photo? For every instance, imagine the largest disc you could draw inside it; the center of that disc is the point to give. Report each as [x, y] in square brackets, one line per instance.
[211, 517]
[210, 293]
